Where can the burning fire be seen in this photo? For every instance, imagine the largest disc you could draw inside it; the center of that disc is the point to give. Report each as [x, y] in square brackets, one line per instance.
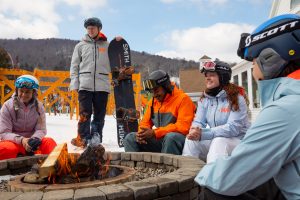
[72, 168]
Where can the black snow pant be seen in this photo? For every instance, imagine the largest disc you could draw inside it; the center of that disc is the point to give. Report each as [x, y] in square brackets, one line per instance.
[91, 103]
[266, 191]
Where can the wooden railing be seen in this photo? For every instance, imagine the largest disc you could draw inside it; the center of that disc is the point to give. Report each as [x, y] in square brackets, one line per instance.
[57, 82]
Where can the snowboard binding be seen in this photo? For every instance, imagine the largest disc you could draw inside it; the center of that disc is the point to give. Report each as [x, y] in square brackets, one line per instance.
[121, 74]
[128, 115]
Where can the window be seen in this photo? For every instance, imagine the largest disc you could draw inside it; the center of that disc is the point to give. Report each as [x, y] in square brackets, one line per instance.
[245, 81]
[255, 94]
[295, 3]
[236, 80]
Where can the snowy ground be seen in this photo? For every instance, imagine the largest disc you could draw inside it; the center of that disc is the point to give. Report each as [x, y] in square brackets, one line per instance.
[62, 129]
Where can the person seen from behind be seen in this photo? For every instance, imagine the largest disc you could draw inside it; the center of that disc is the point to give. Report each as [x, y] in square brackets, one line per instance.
[269, 154]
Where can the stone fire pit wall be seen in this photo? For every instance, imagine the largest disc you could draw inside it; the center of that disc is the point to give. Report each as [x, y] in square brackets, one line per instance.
[178, 184]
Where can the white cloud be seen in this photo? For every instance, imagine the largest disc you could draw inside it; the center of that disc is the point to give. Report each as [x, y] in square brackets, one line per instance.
[39, 18]
[198, 2]
[169, 1]
[218, 1]
[28, 19]
[87, 8]
[217, 41]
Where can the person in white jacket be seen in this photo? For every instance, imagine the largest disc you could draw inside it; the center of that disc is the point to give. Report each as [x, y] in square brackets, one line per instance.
[89, 75]
[221, 119]
[270, 149]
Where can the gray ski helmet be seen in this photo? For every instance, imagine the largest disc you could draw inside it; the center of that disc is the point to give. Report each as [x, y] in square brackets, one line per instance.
[274, 43]
[221, 68]
[157, 78]
[94, 21]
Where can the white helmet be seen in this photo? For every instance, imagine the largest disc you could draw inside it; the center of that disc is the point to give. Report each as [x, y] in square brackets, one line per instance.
[27, 81]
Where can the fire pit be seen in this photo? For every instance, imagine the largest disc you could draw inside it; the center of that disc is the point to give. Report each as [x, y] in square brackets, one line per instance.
[178, 184]
[72, 171]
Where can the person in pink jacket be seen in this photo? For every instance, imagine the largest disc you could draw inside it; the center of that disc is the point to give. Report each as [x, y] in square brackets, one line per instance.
[23, 122]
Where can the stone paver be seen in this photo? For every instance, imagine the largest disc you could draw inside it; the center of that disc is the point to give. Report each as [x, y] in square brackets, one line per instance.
[59, 194]
[184, 182]
[147, 157]
[3, 165]
[140, 164]
[157, 158]
[194, 193]
[115, 162]
[190, 163]
[151, 165]
[17, 185]
[143, 190]
[30, 195]
[137, 156]
[181, 196]
[128, 163]
[9, 195]
[115, 155]
[117, 192]
[168, 159]
[89, 194]
[125, 156]
[17, 163]
[166, 186]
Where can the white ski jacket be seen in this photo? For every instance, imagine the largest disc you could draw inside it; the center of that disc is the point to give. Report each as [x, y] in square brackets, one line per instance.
[90, 65]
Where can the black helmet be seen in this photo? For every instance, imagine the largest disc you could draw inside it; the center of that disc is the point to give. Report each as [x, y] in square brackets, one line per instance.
[94, 21]
[221, 68]
[274, 43]
[157, 78]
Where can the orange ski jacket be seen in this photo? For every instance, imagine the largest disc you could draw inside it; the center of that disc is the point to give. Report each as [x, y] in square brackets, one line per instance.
[174, 114]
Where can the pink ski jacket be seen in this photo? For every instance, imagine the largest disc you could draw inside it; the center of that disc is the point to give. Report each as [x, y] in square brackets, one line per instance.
[29, 123]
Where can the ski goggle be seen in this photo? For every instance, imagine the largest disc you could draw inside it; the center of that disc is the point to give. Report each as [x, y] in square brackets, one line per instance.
[149, 85]
[26, 83]
[208, 66]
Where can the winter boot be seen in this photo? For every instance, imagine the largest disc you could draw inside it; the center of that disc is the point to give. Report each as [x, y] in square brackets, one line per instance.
[83, 132]
[96, 130]
[78, 142]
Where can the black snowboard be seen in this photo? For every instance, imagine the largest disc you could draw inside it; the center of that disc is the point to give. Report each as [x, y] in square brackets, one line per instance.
[120, 59]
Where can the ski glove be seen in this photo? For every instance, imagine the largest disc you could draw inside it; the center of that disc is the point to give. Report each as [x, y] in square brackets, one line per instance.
[34, 143]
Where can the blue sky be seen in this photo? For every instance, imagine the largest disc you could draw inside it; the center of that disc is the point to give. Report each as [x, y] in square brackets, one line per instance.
[172, 28]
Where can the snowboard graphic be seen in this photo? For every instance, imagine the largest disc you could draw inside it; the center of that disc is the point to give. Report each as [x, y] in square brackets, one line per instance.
[121, 69]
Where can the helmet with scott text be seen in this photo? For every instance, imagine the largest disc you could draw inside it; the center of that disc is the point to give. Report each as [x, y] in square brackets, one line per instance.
[273, 44]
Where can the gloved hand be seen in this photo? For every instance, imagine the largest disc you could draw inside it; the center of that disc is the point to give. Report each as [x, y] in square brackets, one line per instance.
[34, 143]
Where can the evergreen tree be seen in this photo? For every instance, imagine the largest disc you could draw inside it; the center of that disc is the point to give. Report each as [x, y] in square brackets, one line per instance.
[4, 59]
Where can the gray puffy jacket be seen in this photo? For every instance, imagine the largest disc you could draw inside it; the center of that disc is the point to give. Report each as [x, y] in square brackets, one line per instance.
[90, 66]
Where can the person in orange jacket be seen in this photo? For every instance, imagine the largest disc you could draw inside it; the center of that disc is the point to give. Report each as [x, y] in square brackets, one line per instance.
[167, 119]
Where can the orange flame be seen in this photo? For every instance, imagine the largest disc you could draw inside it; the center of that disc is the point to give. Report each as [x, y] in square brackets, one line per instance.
[106, 166]
[64, 166]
